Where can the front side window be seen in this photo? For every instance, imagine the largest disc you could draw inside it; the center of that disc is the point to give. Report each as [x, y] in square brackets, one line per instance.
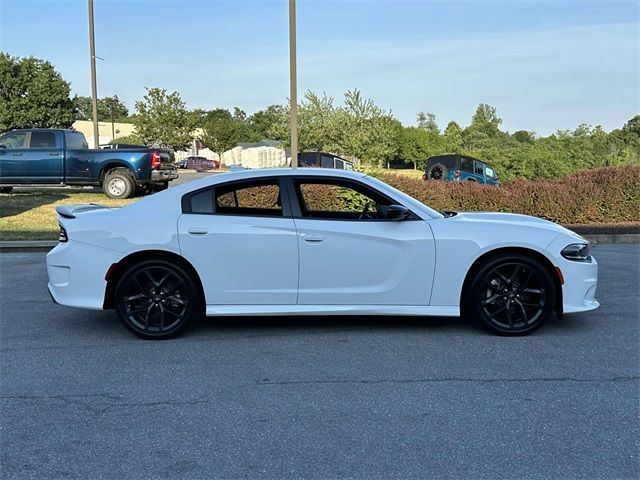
[489, 172]
[339, 164]
[43, 140]
[340, 200]
[13, 140]
[249, 198]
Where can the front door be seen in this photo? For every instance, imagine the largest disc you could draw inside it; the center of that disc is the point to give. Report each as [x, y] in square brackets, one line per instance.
[351, 254]
[12, 148]
[242, 243]
[43, 161]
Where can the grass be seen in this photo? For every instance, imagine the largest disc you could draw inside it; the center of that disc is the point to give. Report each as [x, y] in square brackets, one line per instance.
[31, 215]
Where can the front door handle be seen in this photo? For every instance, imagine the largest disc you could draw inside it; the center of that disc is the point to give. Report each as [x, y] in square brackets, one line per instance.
[313, 238]
[198, 231]
[53, 154]
[17, 154]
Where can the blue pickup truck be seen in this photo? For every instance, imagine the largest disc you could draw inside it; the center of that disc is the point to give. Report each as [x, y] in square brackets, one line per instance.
[56, 157]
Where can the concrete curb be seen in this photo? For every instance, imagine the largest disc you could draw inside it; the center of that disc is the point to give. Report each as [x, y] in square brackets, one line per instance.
[46, 245]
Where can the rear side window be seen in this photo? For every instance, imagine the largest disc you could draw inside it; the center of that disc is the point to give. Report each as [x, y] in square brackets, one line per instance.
[466, 164]
[43, 140]
[249, 198]
[75, 141]
[479, 168]
[326, 162]
[202, 202]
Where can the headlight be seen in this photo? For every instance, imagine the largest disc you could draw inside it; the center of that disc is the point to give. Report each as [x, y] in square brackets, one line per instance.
[578, 252]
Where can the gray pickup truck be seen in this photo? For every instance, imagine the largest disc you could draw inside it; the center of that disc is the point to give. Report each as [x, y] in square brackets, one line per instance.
[56, 157]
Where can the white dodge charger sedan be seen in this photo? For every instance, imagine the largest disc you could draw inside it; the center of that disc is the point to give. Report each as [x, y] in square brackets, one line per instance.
[313, 242]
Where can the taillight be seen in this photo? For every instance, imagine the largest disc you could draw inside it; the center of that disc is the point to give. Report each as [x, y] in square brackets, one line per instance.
[155, 159]
[456, 174]
[62, 237]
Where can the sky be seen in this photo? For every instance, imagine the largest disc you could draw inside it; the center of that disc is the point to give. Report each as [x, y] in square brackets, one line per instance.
[544, 64]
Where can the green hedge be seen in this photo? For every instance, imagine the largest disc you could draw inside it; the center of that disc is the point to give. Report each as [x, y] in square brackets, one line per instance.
[603, 195]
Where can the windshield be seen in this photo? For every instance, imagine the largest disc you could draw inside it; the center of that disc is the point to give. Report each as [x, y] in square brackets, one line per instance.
[406, 198]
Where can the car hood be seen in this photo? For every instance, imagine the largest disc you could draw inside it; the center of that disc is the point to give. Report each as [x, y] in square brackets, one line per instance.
[500, 219]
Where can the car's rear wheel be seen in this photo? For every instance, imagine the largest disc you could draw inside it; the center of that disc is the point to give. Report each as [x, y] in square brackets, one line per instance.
[437, 172]
[118, 183]
[511, 294]
[157, 299]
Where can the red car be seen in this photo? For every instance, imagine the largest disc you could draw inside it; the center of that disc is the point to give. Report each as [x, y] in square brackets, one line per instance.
[201, 164]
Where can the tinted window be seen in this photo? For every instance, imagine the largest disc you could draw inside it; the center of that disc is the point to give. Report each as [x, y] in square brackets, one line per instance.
[202, 202]
[449, 162]
[340, 200]
[249, 198]
[308, 159]
[13, 140]
[43, 140]
[466, 164]
[326, 162]
[339, 164]
[75, 141]
[479, 168]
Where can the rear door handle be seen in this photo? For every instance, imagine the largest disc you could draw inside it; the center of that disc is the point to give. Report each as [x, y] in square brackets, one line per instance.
[53, 154]
[198, 231]
[312, 238]
[17, 154]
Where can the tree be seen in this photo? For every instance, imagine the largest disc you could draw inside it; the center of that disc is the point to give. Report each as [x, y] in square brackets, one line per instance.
[163, 120]
[221, 134]
[33, 95]
[265, 123]
[427, 121]
[486, 120]
[108, 108]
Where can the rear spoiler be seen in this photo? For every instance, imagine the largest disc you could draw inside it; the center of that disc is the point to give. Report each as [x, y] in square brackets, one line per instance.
[69, 211]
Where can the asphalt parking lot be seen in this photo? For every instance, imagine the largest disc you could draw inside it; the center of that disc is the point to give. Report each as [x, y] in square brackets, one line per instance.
[319, 397]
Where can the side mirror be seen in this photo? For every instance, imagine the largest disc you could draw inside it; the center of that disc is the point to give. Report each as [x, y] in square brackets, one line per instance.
[397, 212]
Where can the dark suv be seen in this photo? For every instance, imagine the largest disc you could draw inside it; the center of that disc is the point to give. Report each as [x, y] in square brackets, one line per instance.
[460, 168]
[323, 160]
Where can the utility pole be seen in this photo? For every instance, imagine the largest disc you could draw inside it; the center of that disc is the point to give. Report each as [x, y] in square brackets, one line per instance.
[94, 86]
[293, 81]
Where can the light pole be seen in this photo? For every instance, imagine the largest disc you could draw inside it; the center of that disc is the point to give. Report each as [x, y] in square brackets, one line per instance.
[94, 86]
[293, 81]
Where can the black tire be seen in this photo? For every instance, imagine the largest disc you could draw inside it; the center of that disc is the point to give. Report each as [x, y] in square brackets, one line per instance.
[144, 190]
[118, 183]
[511, 294]
[157, 299]
[158, 187]
[437, 172]
[6, 189]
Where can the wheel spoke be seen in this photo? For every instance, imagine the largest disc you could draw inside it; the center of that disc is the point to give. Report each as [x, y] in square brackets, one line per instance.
[525, 318]
[135, 297]
[174, 288]
[538, 291]
[177, 300]
[517, 268]
[163, 279]
[147, 319]
[509, 318]
[491, 299]
[495, 312]
[161, 318]
[501, 275]
[150, 277]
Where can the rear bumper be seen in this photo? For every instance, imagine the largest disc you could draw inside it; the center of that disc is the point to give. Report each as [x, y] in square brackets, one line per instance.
[163, 175]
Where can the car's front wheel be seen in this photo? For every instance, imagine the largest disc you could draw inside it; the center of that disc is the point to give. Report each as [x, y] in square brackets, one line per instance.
[511, 294]
[157, 299]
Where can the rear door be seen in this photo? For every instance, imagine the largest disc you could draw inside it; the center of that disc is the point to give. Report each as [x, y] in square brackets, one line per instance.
[350, 254]
[43, 160]
[242, 243]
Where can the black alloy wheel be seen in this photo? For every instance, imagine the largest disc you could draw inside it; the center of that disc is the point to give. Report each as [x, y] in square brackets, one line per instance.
[438, 172]
[512, 294]
[157, 299]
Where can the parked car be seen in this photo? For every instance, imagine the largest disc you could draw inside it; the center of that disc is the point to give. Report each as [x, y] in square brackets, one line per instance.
[181, 163]
[323, 160]
[202, 164]
[460, 168]
[313, 241]
[55, 157]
